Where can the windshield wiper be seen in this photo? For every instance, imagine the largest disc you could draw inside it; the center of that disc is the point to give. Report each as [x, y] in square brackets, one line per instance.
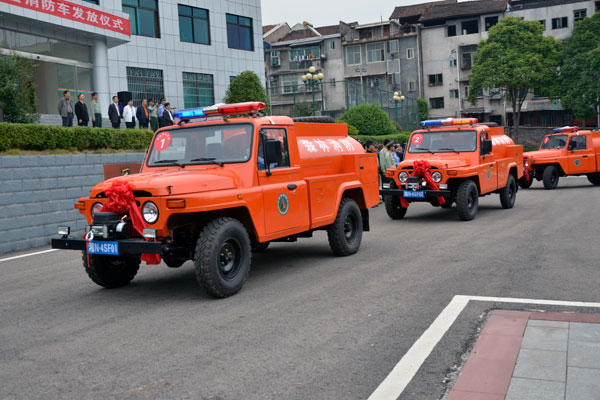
[424, 150]
[210, 160]
[456, 151]
[173, 162]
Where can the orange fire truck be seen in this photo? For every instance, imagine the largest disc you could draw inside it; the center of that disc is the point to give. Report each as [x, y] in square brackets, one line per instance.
[215, 190]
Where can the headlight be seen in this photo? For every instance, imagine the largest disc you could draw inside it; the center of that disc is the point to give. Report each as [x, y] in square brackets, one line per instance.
[527, 163]
[437, 176]
[150, 212]
[403, 176]
[96, 208]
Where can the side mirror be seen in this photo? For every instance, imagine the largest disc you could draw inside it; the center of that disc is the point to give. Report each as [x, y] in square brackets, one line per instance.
[486, 147]
[273, 153]
[571, 146]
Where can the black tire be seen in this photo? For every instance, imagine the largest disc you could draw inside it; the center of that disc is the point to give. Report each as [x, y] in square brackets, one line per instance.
[223, 256]
[393, 207]
[467, 200]
[508, 194]
[523, 183]
[550, 177]
[447, 204]
[594, 179]
[317, 120]
[110, 272]
[173, 262]
[345, 234]
[258, 247]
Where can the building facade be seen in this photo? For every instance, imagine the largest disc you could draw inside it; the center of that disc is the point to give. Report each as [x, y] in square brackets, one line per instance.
[186, 50]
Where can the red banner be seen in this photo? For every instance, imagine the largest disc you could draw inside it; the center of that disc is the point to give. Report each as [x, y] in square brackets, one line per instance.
[76, 12]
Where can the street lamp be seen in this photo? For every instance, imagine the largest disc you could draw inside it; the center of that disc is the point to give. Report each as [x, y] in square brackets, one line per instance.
[397, 97]
[312, 78]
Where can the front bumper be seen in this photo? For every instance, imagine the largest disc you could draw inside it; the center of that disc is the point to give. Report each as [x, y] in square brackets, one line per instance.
[126, 246]
[447, 194]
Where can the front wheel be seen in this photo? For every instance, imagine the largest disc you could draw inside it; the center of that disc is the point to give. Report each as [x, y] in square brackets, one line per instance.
[109, 271]
[345, 234]
[173, 262]
[594, 179]
[526, 184]
[393, 207]
[223, 256]
[508, 194]
[467, 200]
[550, 177]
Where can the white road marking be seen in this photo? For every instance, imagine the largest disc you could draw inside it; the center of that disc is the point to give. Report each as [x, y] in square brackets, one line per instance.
[27, 255]
[397, 380]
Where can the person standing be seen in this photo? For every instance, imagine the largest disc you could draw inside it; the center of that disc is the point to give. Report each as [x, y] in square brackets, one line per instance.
[386, 160]
[81, 111]
[143, 115]
[65, 109]
[161, 108]
[153, 109]
[370, 147]
[167, 118]
[114, 114]
[96, 111]
[129, 115]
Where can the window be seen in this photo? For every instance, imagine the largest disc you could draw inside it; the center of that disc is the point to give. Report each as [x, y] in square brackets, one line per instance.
[353, 55]
[489, 22]
[274, 85]
[451, 30]
[577, 143]
[198, 90]
[231, 78]
[466, 91]
[597, 6]
[193, 25]
[303, 57]
[560, 23]
[275, 58]
[580, 14]
[452, 63]
[392, 46]
[436, 80]
[274, 134]
[375, 52]
[143, 17]
[332, 45]
[467, 56]
[93, 1]
[410, 53]
[454, 94]
[543, 23]
[436, 103]
[145, 83]
[239, 32]
[469, 27]
[395, 78]
[290, 83]
[332, 82]
[412, 86]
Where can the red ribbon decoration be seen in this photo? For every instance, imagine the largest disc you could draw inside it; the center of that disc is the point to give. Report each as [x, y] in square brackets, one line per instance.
[527, 175]
[423, 168]
[120, 199]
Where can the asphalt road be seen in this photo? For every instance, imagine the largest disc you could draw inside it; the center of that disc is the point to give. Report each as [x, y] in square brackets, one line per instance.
[307, 325]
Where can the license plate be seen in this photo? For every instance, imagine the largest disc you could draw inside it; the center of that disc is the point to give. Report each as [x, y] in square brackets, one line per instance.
[106, 248]
[414, 195]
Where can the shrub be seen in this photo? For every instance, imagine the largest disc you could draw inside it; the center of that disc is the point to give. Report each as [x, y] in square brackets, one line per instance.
[369, 120]
[379, 139]
[352, 131]
[247, 87]
[304, 110]
[423, 109]
[17, 90]
[49, 137]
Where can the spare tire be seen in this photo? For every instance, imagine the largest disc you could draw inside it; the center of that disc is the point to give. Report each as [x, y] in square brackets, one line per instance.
[105, 216]
[315, 120]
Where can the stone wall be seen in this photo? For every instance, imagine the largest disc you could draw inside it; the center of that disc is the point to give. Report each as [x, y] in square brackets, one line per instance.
[37, 194]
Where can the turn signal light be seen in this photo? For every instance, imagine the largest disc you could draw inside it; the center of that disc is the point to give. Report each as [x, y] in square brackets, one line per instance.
[176, 203]
[80, 205]
[452, 172]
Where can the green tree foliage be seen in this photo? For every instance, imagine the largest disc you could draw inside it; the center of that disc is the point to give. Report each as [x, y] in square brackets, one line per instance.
[17, 90]
[304, 110]
[517, 58]
[423, 109]
[247, 87]
[352, 131]
[580, 68]
[369, 120]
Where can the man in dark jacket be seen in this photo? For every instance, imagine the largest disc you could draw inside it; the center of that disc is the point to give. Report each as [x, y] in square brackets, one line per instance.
[114, 114]
[81, 111]
[167, 117]
[142, 114]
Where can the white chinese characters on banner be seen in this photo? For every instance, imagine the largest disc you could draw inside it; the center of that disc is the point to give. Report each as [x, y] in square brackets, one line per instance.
[325, 146]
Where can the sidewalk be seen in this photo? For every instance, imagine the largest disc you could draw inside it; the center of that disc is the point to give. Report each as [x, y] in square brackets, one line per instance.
[533, 356]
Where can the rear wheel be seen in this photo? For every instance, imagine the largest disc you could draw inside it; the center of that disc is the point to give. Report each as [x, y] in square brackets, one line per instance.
[109, 271]
[594, 179]
[393, 207]
[345, 234]
[447, 204]
[173, 262]
[524, 183]
[467, 200]
[508, 194]
[223, 256]
[550, 177]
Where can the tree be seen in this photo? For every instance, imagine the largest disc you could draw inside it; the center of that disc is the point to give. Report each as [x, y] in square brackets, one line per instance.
[423, 109]
[517, 58]
[369, 120]
[304, 110]
[247, 87]
[580, 67]
[17, 90]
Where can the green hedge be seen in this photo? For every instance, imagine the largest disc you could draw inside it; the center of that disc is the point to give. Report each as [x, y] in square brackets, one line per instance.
[379, 139]
[49, 137]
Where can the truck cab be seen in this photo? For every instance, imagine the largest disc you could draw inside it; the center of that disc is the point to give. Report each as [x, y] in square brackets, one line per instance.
[214, 191]
[568, 151]
[454, 161]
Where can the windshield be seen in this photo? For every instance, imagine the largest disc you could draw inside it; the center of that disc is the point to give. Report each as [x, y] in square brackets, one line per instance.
[555, 141]
[443, 141]
[209, 144]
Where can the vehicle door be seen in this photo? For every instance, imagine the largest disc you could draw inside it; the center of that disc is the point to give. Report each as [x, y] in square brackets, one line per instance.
[581, 159]
[285, 193]
[487, 170]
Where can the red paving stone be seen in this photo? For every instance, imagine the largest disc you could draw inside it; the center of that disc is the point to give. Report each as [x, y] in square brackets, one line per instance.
[462, 395]
[506, 324]
[566, 317]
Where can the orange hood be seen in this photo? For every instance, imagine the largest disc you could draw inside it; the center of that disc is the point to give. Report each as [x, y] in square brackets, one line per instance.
[541, 154]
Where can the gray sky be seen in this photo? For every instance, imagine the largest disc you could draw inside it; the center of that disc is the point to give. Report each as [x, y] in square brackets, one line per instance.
[330, 12]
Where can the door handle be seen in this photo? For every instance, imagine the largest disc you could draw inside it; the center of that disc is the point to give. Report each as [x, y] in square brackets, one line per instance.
[362, 167]
[491, 165]
[585, 156]
[292, 186]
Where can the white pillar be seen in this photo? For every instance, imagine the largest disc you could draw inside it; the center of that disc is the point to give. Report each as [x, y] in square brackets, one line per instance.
[100, 74]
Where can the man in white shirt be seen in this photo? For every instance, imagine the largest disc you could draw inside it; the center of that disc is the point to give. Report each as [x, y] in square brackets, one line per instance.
[129, 115]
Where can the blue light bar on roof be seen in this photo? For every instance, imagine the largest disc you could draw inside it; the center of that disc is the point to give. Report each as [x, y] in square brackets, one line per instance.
[431, 122]
[190, 113]
[566, 129]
